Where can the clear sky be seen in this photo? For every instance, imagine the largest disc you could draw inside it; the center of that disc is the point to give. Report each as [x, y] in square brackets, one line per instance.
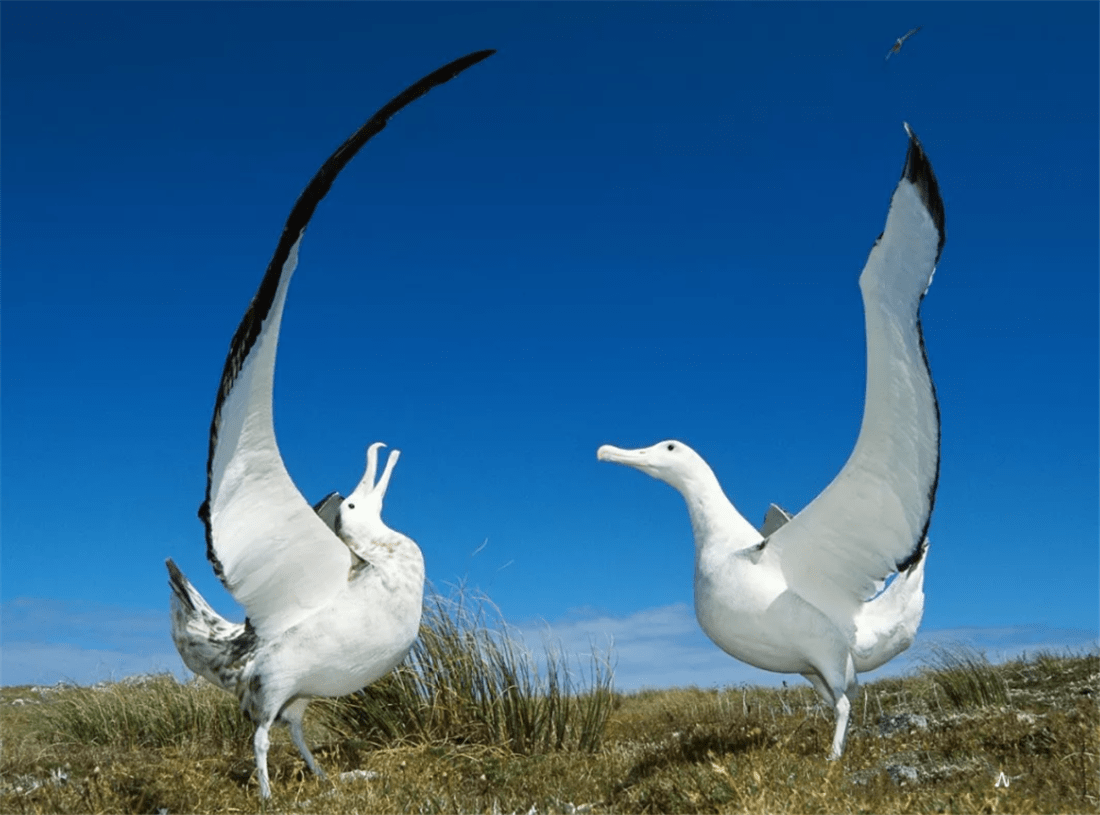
[634, 222]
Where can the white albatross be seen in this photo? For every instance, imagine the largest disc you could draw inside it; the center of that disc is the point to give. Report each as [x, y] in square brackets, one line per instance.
[901, 41]
[333, 595]
[806, 594]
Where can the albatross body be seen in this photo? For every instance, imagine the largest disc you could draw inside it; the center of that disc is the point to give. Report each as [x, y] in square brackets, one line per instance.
[809, 594]
[333, 595]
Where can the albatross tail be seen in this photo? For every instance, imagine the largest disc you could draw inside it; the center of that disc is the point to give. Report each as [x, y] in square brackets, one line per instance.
[887, 624]
[210, 645]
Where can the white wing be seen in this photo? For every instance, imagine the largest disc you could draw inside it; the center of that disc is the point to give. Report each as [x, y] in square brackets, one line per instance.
[870, 521]
[268, 546]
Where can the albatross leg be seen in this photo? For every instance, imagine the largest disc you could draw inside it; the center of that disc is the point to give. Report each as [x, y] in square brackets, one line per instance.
[293, 714]
[260, 743]
[843, 709]
[836, 696]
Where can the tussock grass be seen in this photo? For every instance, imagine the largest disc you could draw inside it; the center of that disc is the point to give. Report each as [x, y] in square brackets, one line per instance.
[156, 712]
[470, 680]
[967, 678]
[738, 749]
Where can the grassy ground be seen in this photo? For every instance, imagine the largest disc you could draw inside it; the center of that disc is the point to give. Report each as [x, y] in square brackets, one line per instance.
[933, 742]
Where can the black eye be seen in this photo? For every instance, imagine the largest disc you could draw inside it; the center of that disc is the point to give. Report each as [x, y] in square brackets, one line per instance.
[672, 447]
[351, 506]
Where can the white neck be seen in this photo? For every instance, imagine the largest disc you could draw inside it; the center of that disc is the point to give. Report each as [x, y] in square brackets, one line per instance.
[715, 521]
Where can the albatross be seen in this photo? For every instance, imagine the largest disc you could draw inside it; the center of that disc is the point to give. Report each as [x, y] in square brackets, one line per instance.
[333, 596]
[809, 594]
[901, 41]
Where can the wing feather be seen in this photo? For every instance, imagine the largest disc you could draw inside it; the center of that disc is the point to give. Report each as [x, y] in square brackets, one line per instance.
[872, 519]
[269, 548]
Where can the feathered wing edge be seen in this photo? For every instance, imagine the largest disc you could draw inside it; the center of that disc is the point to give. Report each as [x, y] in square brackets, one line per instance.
[252, 324]
[918, 172]
[209, 644]
[887, 625]
[800, 546]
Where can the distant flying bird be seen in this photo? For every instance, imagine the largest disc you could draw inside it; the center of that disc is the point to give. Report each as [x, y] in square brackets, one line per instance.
[806, 593]
[901, 41]
[333, 595]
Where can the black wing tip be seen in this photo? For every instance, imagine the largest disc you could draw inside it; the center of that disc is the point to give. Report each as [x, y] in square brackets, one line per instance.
[462, 63]
[432, 80]
[918, 172]
[256, 315]
[915, 556]
[179, 584]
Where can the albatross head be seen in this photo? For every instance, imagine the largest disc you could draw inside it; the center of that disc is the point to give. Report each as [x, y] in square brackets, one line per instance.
[713, 515]
[360, 517]
[670, 461]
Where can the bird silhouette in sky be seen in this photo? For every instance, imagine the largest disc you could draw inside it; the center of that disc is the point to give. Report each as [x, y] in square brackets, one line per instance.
[901, 41]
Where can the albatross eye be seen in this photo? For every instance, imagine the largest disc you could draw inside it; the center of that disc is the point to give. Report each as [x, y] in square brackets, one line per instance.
[672, 447]
[351, 506]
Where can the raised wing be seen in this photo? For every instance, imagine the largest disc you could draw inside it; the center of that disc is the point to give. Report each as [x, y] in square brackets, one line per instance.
[270, 549]
[871, 520]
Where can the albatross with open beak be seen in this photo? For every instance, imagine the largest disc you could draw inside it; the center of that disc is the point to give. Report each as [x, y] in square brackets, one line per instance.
[333, 595]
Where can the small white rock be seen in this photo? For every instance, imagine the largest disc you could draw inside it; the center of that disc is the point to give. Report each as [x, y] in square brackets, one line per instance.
[890, 725]
[902, 773]
[359, 775]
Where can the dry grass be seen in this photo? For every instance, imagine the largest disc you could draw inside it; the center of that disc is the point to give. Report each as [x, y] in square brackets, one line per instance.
[148, 713]
[966, 678]
[470, 680]
[914, 747]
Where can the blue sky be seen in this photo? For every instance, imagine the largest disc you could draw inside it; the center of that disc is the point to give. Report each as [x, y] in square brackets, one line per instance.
[634, 222]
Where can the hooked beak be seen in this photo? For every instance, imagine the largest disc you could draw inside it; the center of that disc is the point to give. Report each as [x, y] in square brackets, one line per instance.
[368, 485]
[617, 455]
[609, 452]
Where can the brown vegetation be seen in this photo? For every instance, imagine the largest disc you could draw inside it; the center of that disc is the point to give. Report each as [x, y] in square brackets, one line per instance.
[506, 732]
